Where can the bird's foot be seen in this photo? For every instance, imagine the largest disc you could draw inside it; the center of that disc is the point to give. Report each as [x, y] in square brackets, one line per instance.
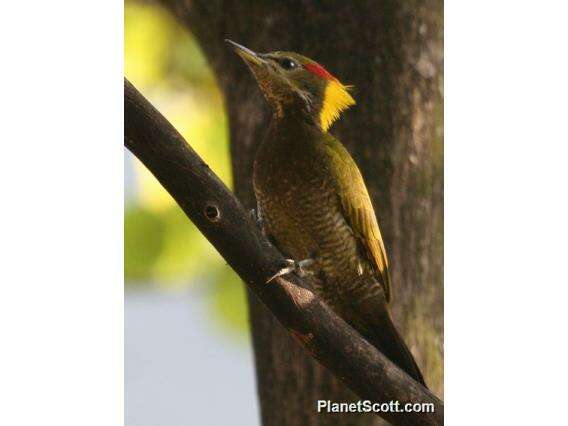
[256, 217]
[293, 266]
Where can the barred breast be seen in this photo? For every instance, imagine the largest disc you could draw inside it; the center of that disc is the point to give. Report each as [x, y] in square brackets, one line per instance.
[302, 215]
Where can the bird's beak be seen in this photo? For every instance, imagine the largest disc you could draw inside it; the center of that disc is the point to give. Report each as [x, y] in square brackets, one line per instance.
[250, 57]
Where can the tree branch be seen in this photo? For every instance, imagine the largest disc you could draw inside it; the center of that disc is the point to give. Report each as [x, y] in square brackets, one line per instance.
[220, 217]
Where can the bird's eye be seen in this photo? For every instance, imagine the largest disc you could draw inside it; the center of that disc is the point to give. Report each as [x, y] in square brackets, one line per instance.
[288, 64]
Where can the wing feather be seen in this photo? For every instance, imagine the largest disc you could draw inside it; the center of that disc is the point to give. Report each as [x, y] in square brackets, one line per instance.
[358, 209]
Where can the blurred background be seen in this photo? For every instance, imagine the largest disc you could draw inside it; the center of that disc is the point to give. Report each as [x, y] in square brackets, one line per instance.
[186, 336]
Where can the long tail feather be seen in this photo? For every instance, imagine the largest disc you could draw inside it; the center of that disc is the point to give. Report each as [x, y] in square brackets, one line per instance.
[383, 334]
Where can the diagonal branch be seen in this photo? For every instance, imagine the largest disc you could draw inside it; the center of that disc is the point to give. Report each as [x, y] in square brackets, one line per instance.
[221, 218]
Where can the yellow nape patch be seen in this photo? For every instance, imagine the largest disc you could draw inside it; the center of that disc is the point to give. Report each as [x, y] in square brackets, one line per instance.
[336, 99]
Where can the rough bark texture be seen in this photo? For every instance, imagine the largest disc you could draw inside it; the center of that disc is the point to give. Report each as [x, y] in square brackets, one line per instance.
[392, 52]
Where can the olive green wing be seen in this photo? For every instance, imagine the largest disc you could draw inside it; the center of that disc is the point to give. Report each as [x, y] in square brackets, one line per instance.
[358, 209]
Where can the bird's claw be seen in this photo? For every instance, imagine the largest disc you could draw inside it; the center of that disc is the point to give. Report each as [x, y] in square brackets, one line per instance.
[256, 217]
[293, 266]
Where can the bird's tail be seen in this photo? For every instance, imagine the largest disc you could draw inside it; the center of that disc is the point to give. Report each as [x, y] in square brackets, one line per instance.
[386, 338]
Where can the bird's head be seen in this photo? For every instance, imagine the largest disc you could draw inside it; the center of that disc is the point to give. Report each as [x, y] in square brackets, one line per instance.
[293, 83]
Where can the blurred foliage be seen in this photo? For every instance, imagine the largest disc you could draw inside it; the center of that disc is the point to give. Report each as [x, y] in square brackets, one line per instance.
[143, 242]
[162, 247]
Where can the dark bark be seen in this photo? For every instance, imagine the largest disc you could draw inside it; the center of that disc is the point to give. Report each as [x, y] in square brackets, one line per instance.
[391, 51]
[221, 218]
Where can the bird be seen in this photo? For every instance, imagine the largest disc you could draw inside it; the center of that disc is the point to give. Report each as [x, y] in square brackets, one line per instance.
[312, 201]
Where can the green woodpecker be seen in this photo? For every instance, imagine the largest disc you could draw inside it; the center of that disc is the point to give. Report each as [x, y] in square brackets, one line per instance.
[313, 203]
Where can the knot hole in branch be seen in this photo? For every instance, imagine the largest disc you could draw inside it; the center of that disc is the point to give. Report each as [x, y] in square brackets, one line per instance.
[212, 212]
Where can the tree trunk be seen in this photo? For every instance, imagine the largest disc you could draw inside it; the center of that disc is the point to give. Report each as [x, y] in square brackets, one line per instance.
[392, 52]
